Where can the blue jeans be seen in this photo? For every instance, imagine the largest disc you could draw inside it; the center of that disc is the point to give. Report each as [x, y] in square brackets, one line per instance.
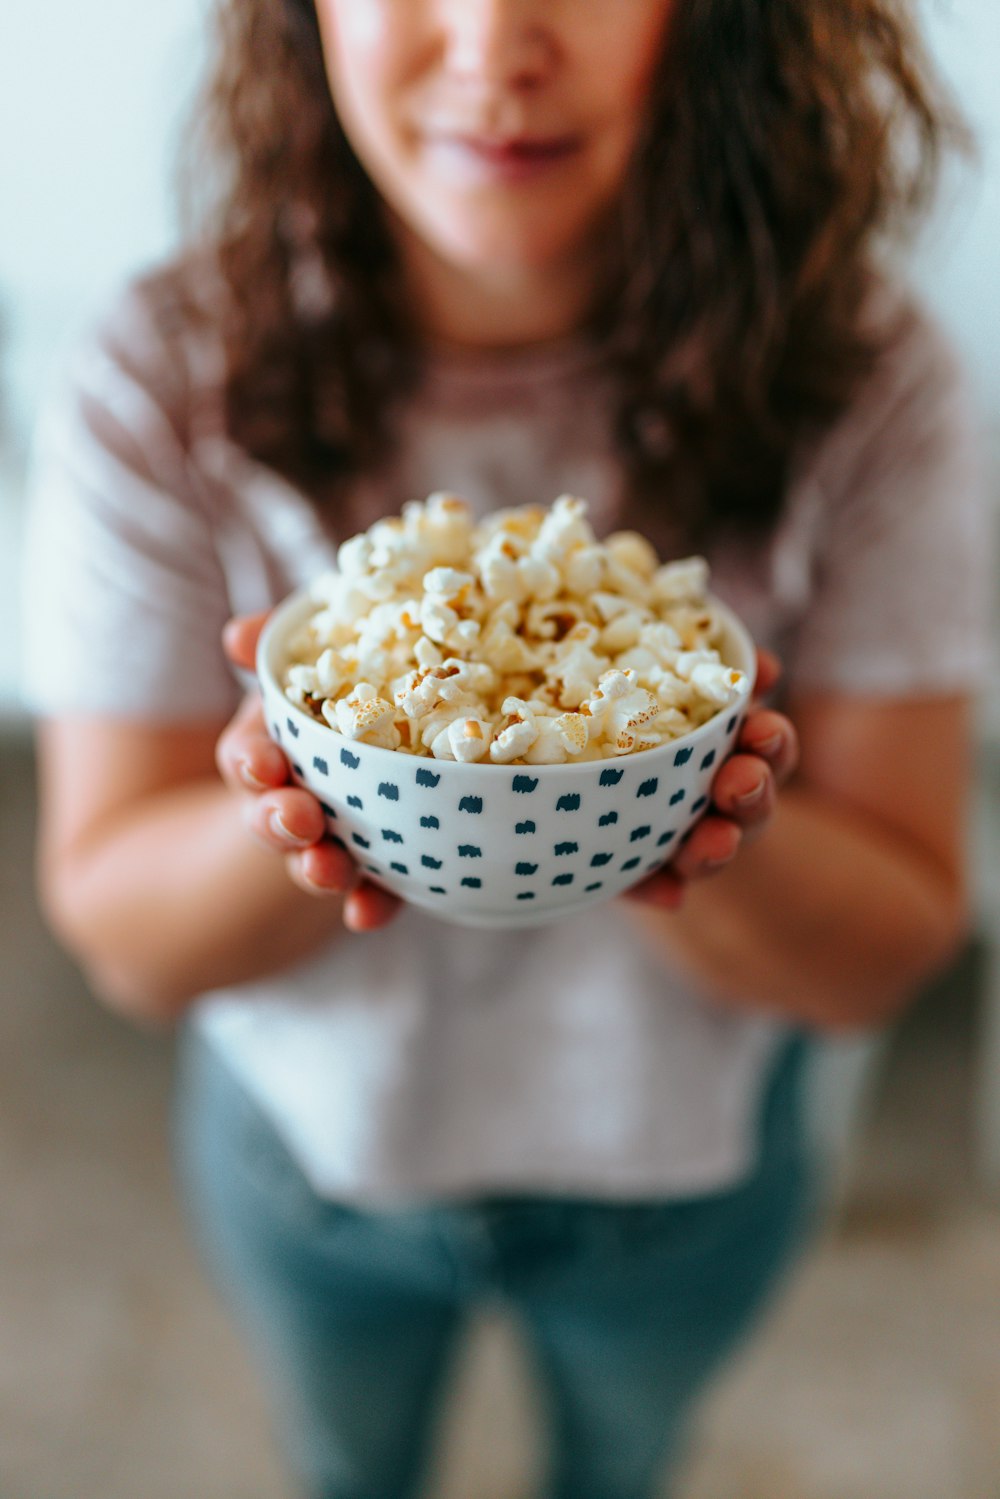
[354, 1316]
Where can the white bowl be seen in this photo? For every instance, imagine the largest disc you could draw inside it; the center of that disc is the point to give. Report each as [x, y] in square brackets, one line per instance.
[500, 845]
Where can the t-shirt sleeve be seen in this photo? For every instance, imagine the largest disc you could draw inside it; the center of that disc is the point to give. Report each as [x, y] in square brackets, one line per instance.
[904, 560]
[124, 597]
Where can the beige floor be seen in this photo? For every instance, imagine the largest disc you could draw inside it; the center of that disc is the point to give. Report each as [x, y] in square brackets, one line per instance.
[878, 1377]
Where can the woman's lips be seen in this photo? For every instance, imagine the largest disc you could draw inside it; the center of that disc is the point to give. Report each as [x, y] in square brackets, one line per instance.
[511, 159]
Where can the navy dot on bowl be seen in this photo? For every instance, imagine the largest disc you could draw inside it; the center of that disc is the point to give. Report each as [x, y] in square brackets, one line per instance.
[320, 764]
[524, 784]
[597, 885]
[563, 879]
[730, 726]
[682, 756]
[611, 777]
[391, 836]
[701, 802]
[665, 838]
[630, 864]
[525, 868]
[524, 827]
[607, 819]
[389, 791]
[469, 851]
[293, 728]
[373, 869]
[438, 890]
[351, 761]
[297, 770]
[638, 833]
[568, 802]
[648, 788]
[473, 882]
[566, 848]
[526, 895]
[678, 796]
[600, 859]
[427, 777]
[429, 822]
[361, 842]
[355, 801]
[471, 804]
[399, 868]
[708, 760]
[430, 863]
[338, 841]
[330, 811]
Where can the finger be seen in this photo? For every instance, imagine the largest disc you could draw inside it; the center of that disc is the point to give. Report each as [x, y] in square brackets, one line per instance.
[369, 907]
[288, 820]
[664, 891]
[322, 869]
[710, 846]
[771, 736]
[768, 672]
[744, 790]
[246, 757]
[240, 636]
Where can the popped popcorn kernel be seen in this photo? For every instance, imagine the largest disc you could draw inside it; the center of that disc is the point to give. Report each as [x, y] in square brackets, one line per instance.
[520, 639]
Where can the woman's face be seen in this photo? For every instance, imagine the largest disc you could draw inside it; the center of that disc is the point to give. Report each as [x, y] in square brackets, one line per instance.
[497, 131]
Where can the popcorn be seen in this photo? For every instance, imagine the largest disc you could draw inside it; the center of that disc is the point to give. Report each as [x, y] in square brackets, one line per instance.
[518, 640]
[354, 555]
[715, 681]
[627, 716]
[359, 714]
[583, 569]
[517, 734]
[679, 582]
[559, 739]
[633, 552]
[469, 738]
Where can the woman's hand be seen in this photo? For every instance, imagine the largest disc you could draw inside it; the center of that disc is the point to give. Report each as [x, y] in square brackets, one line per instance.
[282, 816]
[743, 798]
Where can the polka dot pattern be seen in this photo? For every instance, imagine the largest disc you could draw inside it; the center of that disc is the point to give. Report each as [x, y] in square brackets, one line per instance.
[604, 836]
[502, 845]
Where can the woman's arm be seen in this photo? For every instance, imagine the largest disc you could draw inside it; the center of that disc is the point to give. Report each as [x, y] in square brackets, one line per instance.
[148, 871]
[856, 892]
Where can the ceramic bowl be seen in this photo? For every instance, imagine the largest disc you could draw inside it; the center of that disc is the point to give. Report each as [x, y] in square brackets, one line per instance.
[500, 845]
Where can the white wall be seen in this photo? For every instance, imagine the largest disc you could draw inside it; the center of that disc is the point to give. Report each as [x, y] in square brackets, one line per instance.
[90, 98]
[88, 112]
[958, 261]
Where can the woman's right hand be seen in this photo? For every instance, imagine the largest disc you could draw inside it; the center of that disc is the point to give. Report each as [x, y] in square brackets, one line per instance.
[282, 816]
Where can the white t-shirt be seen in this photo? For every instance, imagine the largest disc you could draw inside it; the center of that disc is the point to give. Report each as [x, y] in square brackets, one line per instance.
[428, 1059]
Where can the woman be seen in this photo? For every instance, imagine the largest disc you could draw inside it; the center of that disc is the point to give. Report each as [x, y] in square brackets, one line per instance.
[513, 249]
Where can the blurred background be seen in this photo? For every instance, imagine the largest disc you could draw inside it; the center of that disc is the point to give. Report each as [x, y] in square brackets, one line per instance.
[878, 1375]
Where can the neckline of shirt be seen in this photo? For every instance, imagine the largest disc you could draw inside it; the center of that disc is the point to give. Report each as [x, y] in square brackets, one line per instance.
[447, 370]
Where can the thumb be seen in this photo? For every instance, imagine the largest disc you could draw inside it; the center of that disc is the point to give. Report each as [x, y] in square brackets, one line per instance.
[768, 672]
[240, 636]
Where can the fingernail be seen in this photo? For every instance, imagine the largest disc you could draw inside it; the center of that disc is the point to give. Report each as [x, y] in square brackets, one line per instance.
[352, 918]
[249, 779]
[751, 799]
[281, 831]
[321, 887]
[769, 746]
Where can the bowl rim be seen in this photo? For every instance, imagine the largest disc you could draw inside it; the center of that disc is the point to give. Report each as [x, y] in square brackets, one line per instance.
[295, 606]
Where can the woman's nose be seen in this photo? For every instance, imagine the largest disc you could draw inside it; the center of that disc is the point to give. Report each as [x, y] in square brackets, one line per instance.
[502, 41]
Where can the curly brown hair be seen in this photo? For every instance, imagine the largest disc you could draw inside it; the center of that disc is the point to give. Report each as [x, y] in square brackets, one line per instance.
[786, 142]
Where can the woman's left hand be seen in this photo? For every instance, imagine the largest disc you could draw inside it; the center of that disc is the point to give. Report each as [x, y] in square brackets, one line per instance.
[744, 793]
